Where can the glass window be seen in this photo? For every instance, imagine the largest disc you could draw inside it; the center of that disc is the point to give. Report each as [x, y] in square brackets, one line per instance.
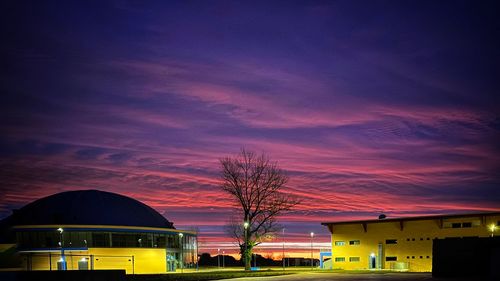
[467, 224]
[100, 239]
[339, 259]
[391, 258]
[391, 241]
[353, 259]
[354, 242]
[456, 225]
[339, 243]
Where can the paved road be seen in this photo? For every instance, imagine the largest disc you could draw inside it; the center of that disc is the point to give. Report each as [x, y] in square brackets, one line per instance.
[352, 277]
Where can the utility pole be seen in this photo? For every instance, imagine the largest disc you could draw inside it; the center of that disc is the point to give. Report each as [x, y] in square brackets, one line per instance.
[283, 258]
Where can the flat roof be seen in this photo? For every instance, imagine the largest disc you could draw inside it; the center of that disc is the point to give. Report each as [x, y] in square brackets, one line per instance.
[415, 218]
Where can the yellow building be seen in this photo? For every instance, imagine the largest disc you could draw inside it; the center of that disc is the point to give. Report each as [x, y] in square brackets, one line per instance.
[401, 243]
[90, 229]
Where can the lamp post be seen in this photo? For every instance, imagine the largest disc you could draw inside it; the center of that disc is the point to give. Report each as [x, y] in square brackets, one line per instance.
[182, 252]
[218, 258]
[61, 244]
[245, 227]
[223, 259]
[312, 236]
[283, 258]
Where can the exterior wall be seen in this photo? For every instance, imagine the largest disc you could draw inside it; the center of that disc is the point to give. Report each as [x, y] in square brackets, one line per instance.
[145, 260]
[133, 260]
[414, 243]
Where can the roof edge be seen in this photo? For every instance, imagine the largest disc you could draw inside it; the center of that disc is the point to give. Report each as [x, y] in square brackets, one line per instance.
[414, 218]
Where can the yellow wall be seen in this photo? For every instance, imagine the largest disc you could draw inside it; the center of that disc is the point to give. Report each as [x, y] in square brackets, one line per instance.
[422, 231]
[145, 260]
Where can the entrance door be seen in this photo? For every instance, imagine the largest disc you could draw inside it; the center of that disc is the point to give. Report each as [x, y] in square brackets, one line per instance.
[171, 262]
[372, 262]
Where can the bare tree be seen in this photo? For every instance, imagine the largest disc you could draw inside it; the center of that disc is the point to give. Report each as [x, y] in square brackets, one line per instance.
[255, 183]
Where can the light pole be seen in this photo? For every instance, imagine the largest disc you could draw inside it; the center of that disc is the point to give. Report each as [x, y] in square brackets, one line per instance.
[245, 227]
[283, 259]
[218, 258]
[223, 259]
[182, 250]
[61, 243]
[312, 236]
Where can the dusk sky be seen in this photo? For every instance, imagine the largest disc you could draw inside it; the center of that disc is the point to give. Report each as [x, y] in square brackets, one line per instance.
[370, 106]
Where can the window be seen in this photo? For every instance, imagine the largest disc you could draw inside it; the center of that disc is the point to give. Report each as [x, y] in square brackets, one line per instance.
[100, 239]
[428, 238]
[421, 239]
[391, 258]
[428, 257]
[467, 224]
[407, 257]
[354, 242]
[413, 239]
[339, 243]
[391, 241]
[339, 259]
[421, 257]
[407, 239]
[353, 259]
[412, 257]
[456, 225]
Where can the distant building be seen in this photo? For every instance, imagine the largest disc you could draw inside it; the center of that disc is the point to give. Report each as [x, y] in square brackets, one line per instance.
[93, 229]
[401, 243]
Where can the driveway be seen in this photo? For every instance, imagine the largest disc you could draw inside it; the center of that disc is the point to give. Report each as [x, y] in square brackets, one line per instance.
[353, 277]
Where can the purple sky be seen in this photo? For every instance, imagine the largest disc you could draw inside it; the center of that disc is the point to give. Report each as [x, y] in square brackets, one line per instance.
[371, 106]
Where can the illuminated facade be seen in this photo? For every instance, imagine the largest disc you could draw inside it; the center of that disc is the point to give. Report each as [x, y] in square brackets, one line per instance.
[401, 243]
[98, 230]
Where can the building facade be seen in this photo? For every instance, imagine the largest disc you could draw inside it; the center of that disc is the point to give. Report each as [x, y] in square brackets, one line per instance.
[401, 243]
[90, 229]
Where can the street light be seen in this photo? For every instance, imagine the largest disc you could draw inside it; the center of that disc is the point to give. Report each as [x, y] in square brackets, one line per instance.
[245, 227]
[223, 259]
[182, 250]
[218, 258]
[492, 228]
[312, 236]
[61, 244]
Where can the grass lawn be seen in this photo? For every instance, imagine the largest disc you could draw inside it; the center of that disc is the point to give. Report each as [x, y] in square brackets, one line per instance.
[211, 275]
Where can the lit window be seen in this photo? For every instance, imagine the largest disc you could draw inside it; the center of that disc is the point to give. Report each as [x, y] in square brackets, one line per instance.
[353, 259]
[391, 241]
[339, 243]
[339, 259]
[354, 242]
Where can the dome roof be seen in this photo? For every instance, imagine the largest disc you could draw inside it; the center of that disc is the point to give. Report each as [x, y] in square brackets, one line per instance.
[92, 207]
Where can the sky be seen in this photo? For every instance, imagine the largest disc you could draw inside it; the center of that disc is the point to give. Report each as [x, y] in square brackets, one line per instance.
[370, 106]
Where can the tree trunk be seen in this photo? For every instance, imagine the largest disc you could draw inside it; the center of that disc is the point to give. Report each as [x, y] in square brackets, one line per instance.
[248, 259]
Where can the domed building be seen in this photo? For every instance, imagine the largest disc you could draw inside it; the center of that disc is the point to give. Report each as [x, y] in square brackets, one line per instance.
[91, 229]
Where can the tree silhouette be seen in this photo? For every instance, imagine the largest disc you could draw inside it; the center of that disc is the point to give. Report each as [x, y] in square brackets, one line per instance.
[255, 183]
